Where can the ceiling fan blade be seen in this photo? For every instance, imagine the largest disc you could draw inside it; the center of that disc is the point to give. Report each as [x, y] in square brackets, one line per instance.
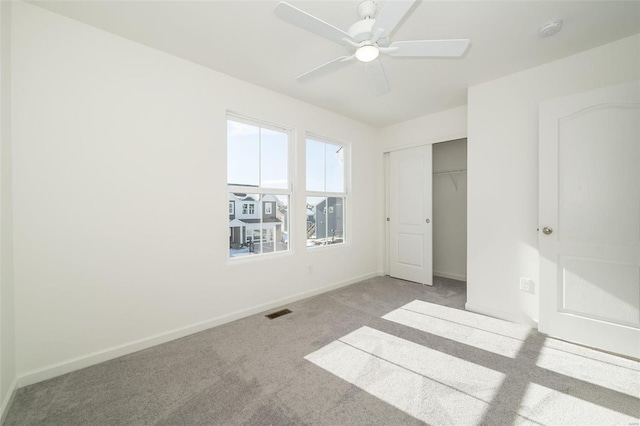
[391, 14]
[302, 19]
[325, 69]
[377, 78]
[429, 48]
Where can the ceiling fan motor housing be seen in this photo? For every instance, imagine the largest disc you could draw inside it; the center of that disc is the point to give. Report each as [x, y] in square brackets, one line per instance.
[367, 9]
[361, 30]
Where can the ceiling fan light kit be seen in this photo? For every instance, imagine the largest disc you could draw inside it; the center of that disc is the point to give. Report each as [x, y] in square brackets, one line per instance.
[367, 53]
[367, 38]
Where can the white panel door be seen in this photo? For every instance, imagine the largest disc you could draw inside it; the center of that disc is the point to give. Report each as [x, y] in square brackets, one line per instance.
[410, 239]
[589, 238]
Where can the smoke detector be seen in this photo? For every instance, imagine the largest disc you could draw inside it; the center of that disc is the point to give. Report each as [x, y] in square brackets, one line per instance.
[550, 28]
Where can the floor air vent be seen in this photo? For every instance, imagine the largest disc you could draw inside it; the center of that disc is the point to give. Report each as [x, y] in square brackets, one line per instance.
[278, 314]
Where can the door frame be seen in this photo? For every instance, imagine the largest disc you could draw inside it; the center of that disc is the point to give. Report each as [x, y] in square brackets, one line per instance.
[386, 155]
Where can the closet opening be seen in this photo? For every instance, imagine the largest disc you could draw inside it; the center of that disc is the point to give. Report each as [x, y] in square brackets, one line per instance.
[426, 214]
[450, 213]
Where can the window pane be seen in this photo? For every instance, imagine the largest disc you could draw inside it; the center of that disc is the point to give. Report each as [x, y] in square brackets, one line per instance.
[275, 222]
[260, 224]
[273, 149]
[315, 165]
[243, 150]
[244, 225]
[325, 221]
[335, 220]
[314, 220]
[334, 155]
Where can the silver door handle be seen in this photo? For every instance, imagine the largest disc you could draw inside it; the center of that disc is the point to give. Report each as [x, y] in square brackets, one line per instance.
[547, 231]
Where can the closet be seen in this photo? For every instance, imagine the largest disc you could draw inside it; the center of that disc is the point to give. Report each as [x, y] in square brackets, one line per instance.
[450, 209]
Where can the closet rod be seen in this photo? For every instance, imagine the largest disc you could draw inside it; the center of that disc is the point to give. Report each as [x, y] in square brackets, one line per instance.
[441, 172]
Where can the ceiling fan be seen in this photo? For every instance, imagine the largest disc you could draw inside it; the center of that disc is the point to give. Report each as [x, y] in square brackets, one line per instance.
[368, 38]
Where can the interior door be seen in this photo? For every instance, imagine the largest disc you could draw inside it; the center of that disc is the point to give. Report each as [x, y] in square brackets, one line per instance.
[590, 218]
[410, 239]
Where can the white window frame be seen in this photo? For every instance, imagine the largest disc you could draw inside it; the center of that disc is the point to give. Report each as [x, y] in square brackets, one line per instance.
[326, 194]
[268, 208]
[232, 208]
[260, 190]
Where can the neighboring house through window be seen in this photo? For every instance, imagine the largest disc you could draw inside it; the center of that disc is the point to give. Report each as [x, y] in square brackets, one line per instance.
[259, 187]
[326, 192]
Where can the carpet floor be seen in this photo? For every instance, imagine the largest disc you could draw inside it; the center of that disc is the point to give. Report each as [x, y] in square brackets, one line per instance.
[382, 351]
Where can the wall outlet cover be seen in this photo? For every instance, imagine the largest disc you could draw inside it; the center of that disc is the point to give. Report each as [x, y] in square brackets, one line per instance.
[527, 285]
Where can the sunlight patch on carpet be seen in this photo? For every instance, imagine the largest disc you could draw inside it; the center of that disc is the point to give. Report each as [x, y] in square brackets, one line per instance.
[524, 378]
[410, 377]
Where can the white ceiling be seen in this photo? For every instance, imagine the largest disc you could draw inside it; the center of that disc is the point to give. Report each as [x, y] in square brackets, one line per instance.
[245, 40]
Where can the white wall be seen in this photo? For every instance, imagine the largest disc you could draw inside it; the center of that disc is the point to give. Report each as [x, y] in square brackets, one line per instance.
[120, 199]
[503, 171]
[450, 210]
[7, 323]
[439, 127]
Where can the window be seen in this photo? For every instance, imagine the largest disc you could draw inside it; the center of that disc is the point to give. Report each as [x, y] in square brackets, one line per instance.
[326, 192]
[258, 179]
[231, 208]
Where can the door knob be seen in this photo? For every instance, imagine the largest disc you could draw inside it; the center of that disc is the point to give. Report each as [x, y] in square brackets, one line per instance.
[428, 221]
[547, 231]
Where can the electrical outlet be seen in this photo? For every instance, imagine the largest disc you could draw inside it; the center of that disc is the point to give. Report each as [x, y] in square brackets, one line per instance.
[527, 285]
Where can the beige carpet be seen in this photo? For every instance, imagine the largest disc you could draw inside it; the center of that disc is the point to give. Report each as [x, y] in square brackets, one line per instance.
[535, 381]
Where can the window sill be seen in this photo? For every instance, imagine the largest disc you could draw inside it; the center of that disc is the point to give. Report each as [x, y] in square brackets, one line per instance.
[257, 258]
[326, 247]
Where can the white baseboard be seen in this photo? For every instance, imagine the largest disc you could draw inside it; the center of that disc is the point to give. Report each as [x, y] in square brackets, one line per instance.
[64, 367]
[8, 399]
[450, 275]
[496, 313]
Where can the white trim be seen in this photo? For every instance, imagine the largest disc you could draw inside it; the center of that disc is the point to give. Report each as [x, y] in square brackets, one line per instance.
[495, 313]
[326, 194]
[239, 189]
[446, 138]
[325, 139]
[259, 257]
[240, 118]
[88, 360]
[6, 403]
[449, 275]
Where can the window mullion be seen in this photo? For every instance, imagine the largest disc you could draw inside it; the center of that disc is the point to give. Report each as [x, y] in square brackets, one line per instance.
[260, 157]
[326, 194]
[324, 160]
[257, 190]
